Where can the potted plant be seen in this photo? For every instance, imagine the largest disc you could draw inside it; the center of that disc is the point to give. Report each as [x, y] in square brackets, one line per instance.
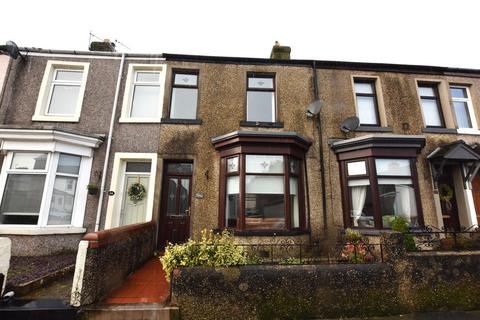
[92, 189]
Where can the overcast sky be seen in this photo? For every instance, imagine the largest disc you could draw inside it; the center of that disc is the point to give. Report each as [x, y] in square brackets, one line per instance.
[436, 32]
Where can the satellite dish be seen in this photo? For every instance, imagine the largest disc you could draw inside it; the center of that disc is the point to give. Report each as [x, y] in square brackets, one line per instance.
[11, 49]
[350, 124]
[314, 108]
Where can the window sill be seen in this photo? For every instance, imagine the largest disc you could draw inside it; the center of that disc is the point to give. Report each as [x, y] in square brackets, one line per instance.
[266, 233]
[374, 129]
[439, 130]
[181, 121]
[474, 132]
[138, 120]
[260, 124]
[55, 118]
[34, 230]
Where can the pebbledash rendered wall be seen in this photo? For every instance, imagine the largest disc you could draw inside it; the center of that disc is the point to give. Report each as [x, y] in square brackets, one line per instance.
[405, 283]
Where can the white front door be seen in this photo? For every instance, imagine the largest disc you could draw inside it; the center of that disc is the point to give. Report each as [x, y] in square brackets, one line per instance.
[134, 209]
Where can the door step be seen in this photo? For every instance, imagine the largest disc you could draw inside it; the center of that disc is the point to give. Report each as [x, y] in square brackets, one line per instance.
[40, 309]
[154, 311]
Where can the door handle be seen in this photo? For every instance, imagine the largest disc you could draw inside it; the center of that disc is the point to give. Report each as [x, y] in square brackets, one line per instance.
[187, 211]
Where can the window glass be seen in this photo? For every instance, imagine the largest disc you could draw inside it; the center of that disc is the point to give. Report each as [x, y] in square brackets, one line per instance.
[22, 199]
[364, 87]
[146, 101]
[232, 164]
[361, 214]
[462, 114]
[264, 202]
[185, 79]
[29, 161]
[427, 91]
[138, 166]
[61, 205]
[260, 106]
[148, 76]
[63, 100]
[295, 211]
[69, 75]
[184, 103]
[356, 168]
[68, 164]
[431, 113]
[184, 201]
[458, 92]
[260, 83]
[172, 197]
[180, 167]
[393, 167]
[232, 202]
[397, 199]
[367, 110]
[264, 164]
[294, 166]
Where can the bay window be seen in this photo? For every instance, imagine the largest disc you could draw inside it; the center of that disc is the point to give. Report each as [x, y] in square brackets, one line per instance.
[262, 186]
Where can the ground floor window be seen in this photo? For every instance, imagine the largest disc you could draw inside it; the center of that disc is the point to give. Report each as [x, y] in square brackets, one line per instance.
[380, 189]
[40, 188]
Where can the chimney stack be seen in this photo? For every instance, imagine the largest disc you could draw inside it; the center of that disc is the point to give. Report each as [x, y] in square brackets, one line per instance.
[280, 52]
[105, 45]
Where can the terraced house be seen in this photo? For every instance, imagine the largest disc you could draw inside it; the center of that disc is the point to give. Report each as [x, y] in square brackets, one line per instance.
[274, 148]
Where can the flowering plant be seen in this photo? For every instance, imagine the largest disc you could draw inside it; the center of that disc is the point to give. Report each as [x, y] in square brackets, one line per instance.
[355, 250]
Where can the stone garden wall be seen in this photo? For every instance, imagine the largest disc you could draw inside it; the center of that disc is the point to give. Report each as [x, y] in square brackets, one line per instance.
[404, 283]
[106, 258]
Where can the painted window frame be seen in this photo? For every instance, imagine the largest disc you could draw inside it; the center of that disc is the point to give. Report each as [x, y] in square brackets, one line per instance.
[274, 90]
[46, 90]
[242, 173]
[112, 219]
[373, 177]
[436, 89]
[471, 111]
[374, 95]
[194, 72]
[133, 69]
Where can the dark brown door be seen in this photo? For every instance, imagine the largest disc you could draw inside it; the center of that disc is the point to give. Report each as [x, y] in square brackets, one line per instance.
[448, 202]
[476, 195]
[176, 201]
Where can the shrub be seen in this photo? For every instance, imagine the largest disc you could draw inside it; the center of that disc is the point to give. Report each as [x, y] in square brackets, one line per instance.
[212, 250]
[400, 224]
[352, 236]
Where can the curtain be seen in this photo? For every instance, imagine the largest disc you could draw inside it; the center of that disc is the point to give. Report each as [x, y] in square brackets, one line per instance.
[405, 205]
[359, 194]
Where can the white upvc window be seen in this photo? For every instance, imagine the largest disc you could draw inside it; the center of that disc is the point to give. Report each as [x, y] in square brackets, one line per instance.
[42, 189]
[463, 109]
[61, 93]
[144, 91]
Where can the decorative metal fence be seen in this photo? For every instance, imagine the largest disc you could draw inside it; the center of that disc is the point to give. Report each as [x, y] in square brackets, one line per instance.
[314, 253]
[434, 239]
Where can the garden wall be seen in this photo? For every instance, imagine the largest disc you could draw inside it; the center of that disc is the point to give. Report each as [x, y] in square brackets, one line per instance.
[405, 283]
[107, 257]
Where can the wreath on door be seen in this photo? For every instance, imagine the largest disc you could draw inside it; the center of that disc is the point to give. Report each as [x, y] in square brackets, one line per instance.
[136, 192]
[446, 194]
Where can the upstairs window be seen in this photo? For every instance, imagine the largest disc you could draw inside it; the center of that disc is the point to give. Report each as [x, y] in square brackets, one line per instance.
[261, 98]
[366, 99]
[61, 93]
[462, 107]
[430, 104]
[183, 103]
[144, 89]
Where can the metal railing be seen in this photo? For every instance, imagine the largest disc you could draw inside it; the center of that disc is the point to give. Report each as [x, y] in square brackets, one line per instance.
[434, 239]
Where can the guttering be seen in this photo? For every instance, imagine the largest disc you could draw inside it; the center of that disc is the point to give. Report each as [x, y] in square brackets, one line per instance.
[320, 142]
[109, 144]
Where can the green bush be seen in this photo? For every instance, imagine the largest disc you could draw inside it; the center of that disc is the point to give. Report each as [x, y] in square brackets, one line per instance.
[400, 224]
[352, 236]
[213, 250]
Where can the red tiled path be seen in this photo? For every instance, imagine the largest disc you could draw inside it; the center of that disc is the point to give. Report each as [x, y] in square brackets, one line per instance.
[146, 285]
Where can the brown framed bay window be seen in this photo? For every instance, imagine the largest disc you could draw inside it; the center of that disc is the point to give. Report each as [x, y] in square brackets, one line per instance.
[379, 181]
[262, 189]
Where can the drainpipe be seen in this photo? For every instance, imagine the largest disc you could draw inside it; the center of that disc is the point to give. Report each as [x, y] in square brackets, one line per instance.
[109, 144]
[320, 142]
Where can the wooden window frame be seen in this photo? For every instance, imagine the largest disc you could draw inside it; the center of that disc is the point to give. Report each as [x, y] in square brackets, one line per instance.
[273, 89]
[373, 179]
[373, 95]
[173, 86]
[242, 173]
[434, 86]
